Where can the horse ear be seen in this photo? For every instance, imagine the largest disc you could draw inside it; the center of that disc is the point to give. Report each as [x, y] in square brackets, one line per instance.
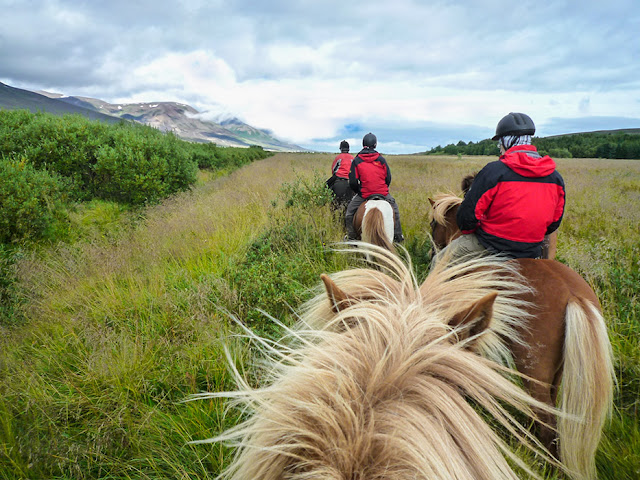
[475, 319]
[431, 201]
[338, 298]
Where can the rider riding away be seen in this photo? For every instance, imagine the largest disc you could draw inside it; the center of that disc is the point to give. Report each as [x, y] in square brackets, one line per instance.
[515, 201]
[339, 181]
[370, 175]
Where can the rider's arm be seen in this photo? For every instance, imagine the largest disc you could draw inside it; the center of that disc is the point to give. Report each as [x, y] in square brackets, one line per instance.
[387, 178]
[559, 212]
[354, 182]
[336, 165]
[478, 198]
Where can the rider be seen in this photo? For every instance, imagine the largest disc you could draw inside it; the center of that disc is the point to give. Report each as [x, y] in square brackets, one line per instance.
[370, 175]
[513, 202]
[339, 181]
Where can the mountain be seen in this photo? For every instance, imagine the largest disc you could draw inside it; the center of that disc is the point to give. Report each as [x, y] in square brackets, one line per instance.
[185, 122]
[12, 98]
[181, 119]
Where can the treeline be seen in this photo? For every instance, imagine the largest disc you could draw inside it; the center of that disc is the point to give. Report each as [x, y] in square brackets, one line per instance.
[48, 163]
[580, 145]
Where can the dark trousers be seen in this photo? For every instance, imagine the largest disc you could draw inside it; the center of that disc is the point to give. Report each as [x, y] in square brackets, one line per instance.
[342, 191]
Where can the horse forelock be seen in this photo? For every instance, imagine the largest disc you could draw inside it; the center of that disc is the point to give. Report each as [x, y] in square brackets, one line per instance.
[443, 202]
[378, 390]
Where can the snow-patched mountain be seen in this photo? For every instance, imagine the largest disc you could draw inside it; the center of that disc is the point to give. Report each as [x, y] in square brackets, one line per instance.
[183, 120]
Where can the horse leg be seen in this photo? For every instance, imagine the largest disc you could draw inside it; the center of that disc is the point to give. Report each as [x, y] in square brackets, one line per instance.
[545, 425]
[540, 359]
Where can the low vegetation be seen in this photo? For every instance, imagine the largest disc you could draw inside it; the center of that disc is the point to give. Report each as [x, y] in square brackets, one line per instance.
[112, 329]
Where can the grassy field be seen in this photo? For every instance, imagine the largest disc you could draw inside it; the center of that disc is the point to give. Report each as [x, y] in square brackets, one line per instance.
[119, 327]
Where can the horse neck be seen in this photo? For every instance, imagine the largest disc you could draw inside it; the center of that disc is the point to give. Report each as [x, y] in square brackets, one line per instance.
[452, 229]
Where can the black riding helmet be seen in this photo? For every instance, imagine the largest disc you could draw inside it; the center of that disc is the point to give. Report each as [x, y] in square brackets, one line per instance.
[344, 146]
[515, 124]
[369, 140]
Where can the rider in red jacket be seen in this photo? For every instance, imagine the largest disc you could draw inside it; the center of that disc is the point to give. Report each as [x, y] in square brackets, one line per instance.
[339, 181]
[515, 201]
[370, 175]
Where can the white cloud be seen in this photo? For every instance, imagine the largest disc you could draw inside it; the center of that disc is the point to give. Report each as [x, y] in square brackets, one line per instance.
[305, 70]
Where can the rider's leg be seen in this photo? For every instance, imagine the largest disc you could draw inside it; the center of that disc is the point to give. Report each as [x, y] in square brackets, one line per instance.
[462, 246]
[355, 202]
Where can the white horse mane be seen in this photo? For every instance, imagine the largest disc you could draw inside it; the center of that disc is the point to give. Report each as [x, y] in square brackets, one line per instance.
[381, 388]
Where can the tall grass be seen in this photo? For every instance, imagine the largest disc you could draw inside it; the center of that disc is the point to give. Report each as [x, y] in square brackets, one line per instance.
[127, 321]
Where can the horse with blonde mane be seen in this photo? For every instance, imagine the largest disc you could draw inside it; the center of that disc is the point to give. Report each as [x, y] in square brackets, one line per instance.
[374, 222]
[563, 349]
[381, 380]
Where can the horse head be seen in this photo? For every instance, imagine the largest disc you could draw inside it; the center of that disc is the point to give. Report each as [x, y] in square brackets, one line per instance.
[444, 227]
[382, 380]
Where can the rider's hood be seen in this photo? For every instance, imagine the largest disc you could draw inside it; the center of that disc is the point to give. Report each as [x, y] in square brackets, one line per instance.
[368, 155]
[526, 161]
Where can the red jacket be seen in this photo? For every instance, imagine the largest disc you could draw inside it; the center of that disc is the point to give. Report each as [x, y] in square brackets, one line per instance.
[342, 165]
[369, 174]
[514, 202]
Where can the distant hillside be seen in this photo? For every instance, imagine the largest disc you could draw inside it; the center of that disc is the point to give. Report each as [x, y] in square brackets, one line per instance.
[632, 131]
[12, 98]
[620, 143]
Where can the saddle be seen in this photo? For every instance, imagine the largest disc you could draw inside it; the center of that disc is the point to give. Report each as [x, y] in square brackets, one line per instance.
[376, 196]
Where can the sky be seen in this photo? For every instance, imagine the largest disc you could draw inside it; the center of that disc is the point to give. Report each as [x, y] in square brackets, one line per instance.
[416, 73]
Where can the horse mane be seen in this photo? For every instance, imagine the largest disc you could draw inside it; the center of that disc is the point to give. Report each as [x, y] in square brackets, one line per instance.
[442, 204]
[382, 388]
[373, 228]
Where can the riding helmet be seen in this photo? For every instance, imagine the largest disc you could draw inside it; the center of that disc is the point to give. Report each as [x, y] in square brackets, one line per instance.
[369, 140]
[515, 124]
[344, 146]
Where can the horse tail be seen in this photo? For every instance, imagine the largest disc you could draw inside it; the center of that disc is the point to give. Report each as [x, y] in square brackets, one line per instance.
[374, 231]
[587, 387]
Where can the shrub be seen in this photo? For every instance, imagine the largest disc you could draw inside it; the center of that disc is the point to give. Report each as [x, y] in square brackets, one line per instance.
[135, 167]
[32, 202]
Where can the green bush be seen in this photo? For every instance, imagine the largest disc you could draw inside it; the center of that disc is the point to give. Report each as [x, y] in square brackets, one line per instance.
[32, 202]
[128, 163]
[209, 155]
[136, 167]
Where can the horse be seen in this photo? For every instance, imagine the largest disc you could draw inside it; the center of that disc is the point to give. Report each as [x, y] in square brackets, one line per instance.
[381, 379]
[563, 349]
[374, 222]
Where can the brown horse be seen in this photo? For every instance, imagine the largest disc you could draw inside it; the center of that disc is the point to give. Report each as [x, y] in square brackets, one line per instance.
[380, 380]
[563, 348]
[374, 222]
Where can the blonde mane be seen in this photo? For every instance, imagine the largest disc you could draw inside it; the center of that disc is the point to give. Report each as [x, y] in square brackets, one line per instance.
[386, 388]
[442, 203]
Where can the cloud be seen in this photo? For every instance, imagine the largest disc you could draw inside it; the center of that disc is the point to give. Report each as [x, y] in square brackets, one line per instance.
[559, 126]
[307, 70]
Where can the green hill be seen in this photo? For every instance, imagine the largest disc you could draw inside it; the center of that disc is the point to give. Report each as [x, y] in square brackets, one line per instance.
[621, 144]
